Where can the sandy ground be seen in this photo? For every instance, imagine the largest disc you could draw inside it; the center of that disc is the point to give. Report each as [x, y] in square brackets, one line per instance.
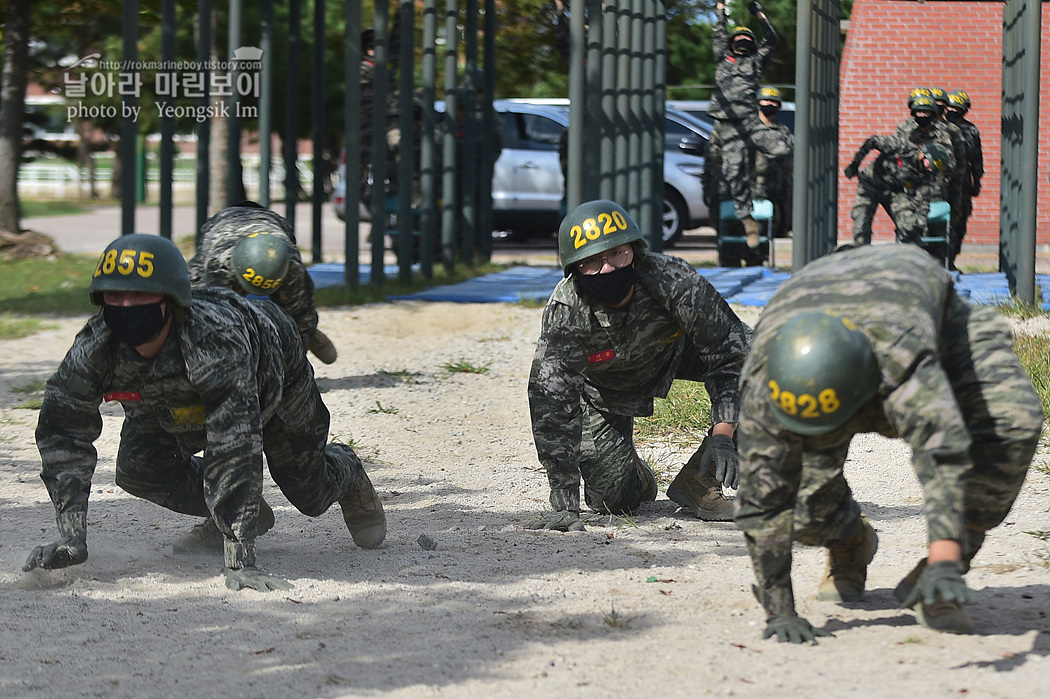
[657, 605]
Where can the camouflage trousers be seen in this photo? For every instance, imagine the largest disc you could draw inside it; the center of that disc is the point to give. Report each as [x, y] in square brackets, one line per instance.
[158, 466]
[961, 210]
[608, 461]
[738, 139]
[1003, 414]
[907, 210]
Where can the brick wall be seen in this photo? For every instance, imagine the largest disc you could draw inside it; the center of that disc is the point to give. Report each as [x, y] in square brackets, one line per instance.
[894, 45]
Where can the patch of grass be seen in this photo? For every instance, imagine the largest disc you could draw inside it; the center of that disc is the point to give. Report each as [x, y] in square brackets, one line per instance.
[686, 410]
[31, 208]
[614, 620]
[1041, 534]
[371, 293]
[462, 366]
[16, 325]
[1042, 558]
[379, 409]
[624, 520]
[398, 374]
[1034, 353]
[57, 285]
[532, 302]
[33, 392]
[1021, 309]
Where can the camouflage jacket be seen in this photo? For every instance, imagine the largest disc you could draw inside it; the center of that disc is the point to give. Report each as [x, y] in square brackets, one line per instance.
[949, 136]
[622, 359]
[897, 167]
[902, 300]
[211, 266]
[974, 155]
[737, 77]
[228, 366]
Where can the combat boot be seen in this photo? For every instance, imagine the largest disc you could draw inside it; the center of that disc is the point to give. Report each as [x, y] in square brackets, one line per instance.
[701, 496]
[847, 567]
[322, 347]
[650, 489]
[364, 516]
[206, 536]
[751, 229]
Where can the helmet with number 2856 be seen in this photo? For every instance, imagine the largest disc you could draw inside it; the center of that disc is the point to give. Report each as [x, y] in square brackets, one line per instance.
[144, 263]
[592, 228]
[820, 370]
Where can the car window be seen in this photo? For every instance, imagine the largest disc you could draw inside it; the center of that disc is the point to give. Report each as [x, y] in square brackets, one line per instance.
[674, 133]
[541, 133]
[511, 129]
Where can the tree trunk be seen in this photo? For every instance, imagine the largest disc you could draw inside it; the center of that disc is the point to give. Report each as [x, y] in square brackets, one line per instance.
[12, 110]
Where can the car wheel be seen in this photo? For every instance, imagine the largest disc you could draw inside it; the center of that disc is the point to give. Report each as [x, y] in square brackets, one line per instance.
[673, 219]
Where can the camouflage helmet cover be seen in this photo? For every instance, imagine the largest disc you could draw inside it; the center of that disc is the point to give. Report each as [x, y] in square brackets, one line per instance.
[144, 263]
[770, 93]
[821, 370]
[260, 261]
[592, 228]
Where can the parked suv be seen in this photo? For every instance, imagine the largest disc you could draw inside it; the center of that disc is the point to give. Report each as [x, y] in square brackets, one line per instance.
[527, 184]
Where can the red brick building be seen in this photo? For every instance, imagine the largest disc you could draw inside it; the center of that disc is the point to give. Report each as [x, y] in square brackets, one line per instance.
[895, 45]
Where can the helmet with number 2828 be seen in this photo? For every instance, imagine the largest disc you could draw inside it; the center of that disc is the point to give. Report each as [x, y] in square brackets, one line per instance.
[144, 263]
[821, 370]
[594, 227]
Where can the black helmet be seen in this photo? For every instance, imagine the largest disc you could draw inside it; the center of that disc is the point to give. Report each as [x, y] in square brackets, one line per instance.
[959, 99]
[821, 371]
[260, 261]
[594, 227]
[771, 94]
[922, 103]
[741, 31]
[145, 263]
[937, 155]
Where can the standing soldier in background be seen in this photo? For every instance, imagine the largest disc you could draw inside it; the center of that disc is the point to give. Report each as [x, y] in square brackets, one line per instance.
[621, 326]
[876, 339]
[206, 371]
[773, 176]
[900, 180]
[252, 250]
[958, 106]
[734, 106]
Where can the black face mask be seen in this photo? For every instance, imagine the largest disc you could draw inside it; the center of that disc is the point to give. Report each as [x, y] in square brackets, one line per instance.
[953, 116]
[135, 325]
[923, 121]
[770, 110]
[610, 288]
[743, 47]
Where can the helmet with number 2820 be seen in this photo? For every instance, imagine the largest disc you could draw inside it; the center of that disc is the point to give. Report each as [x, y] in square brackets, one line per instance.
[145, 263]
[594, 227]
[821, 370]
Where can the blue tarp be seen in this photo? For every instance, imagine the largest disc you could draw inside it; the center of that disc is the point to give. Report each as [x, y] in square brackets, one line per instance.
[748, 286]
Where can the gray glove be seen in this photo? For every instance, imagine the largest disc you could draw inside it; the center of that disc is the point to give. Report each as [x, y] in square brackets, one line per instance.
[943, 580]
[791, 628]
[71, 551]
[721, 455]
[250, 576]
[754, 7]
[561, 521]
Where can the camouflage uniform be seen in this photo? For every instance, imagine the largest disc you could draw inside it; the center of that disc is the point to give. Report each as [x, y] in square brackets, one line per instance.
[772, 178]
[950, 386]
[596, 368]
[211, 265]
[734, 106]
[899, 182]
[971, 181]
[947, 185]
[232, 379]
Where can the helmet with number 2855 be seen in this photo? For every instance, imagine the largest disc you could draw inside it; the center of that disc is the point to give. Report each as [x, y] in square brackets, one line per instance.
[145, 263]
[592, 228]
[820, 370]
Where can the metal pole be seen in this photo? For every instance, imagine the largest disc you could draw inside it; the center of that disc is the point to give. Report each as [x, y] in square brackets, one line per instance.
[607, 171]
[167, 123]
[1028, 168]
[317, 190]
[595, 119]
[406, 149]
[577, 106]
[469, 166]
[291, 130]
[234, 179]
[488, 127]
[266, 102]
[203, 127]
[634, 116]
[449, 212]
[379, 149]
[800, 217]
[427, 148]
[352, 128]
[129, 29]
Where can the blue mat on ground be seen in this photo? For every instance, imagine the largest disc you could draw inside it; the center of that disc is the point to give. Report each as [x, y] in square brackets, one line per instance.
[748, 286]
